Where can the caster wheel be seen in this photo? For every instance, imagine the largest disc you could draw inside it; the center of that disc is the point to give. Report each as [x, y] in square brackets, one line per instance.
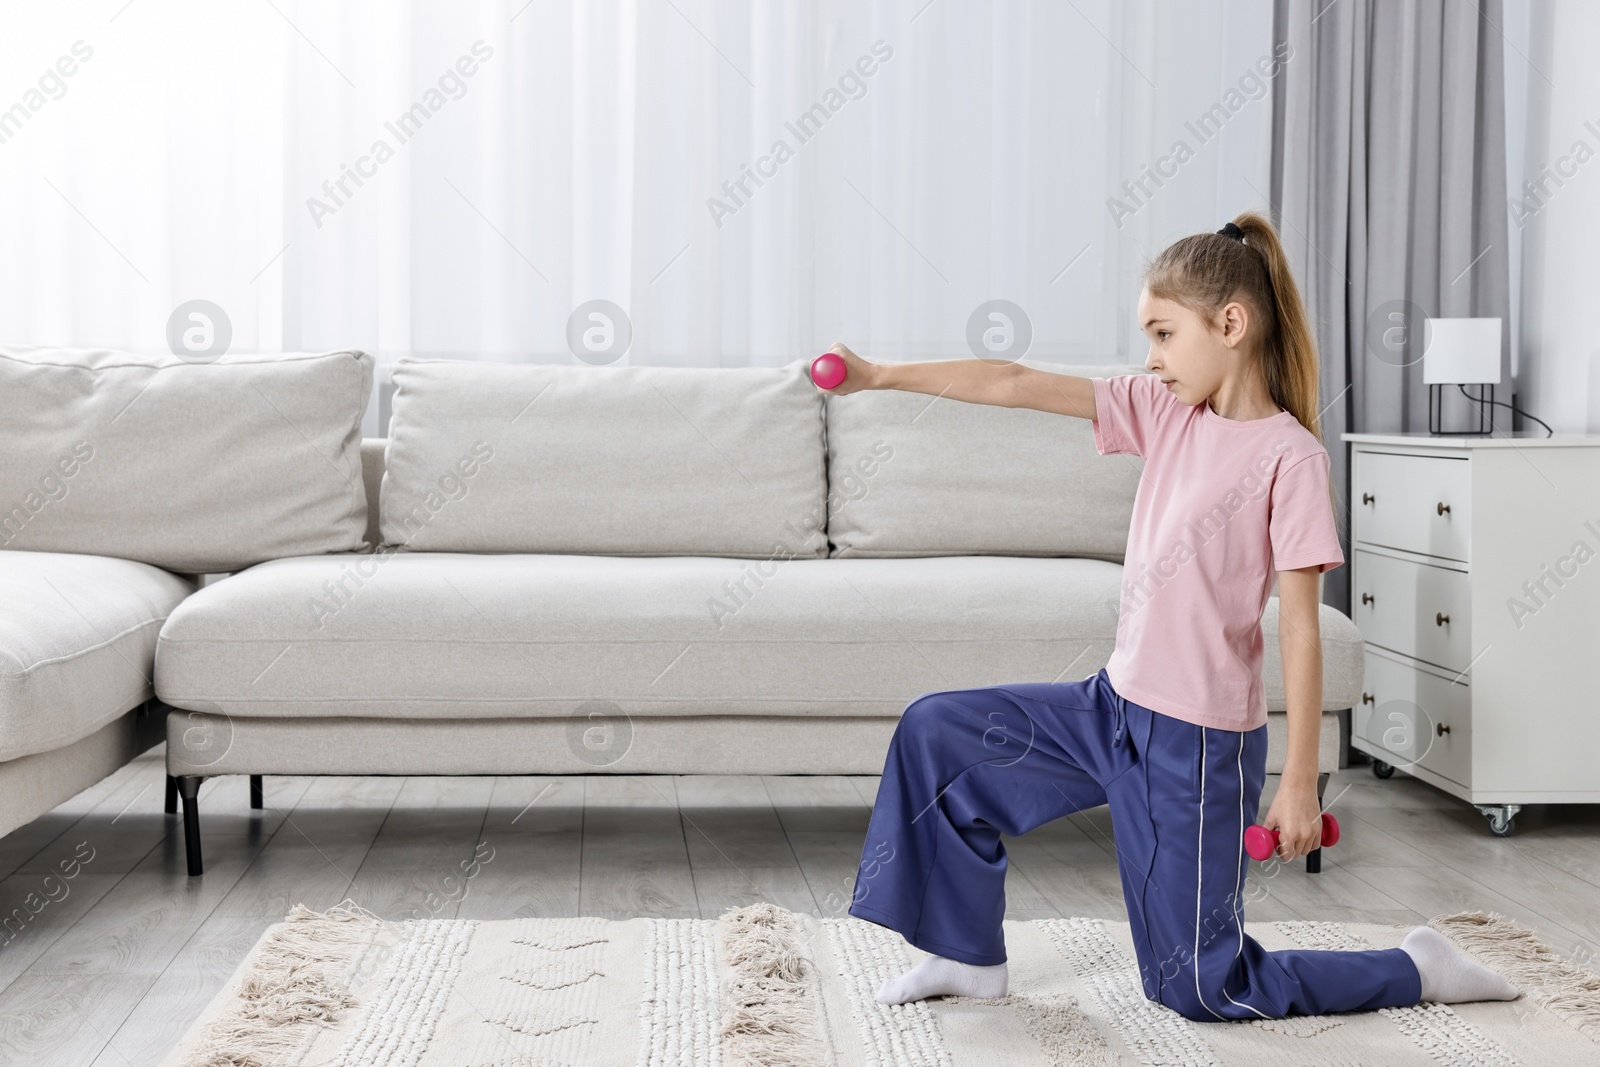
[1502, 817]
[1382, 769]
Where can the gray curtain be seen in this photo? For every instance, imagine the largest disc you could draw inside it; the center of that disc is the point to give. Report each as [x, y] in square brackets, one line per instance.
[1389, 189]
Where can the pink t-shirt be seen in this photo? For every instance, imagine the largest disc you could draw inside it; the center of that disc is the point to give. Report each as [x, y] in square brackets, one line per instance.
[1222, 504]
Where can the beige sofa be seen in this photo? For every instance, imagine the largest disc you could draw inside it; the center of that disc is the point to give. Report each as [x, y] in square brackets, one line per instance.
[664, 570]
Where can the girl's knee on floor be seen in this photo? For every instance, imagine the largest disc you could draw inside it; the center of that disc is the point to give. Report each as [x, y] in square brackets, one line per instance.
[1191, 1006]
[1206, 1002]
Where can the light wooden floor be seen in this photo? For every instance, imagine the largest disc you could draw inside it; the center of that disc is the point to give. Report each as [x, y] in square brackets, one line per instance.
[118, 960]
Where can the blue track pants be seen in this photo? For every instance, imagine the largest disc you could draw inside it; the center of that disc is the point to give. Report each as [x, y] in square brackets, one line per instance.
[968, 765]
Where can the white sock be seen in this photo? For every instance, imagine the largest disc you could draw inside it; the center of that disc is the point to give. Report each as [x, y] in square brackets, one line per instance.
[1450, 976]
[937, 976]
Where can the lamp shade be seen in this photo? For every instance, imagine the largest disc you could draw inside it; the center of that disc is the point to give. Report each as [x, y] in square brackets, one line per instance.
[1464, 351]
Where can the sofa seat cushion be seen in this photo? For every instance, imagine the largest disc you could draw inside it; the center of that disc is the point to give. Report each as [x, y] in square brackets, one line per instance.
[429, 635]
[445, 635]
[77, 644]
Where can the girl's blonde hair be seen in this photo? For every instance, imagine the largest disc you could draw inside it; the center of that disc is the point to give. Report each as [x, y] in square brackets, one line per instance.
[1208, 270]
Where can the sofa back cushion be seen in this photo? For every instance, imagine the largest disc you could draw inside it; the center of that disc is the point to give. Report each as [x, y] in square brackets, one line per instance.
[911, 474]
[623, 461]
[196, 468]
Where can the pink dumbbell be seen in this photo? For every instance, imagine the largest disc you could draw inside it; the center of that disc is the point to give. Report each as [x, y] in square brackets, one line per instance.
[1261, 843]
[828, 370]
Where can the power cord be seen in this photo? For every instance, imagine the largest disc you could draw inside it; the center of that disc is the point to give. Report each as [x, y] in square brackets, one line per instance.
[1515, 410]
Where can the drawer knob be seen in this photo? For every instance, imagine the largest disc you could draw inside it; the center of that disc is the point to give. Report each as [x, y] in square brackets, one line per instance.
[1440, 618]
[1366, 698]
[1444, 508]
[1367, 498]
[1368, 598]
[1441, 729]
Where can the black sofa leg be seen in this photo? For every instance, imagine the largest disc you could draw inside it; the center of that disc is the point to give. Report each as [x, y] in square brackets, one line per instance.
[172, 795]
[1314, 857]
[189, 786]
[257, 801]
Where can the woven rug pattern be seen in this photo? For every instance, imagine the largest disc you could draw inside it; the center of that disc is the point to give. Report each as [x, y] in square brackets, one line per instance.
[766, 987]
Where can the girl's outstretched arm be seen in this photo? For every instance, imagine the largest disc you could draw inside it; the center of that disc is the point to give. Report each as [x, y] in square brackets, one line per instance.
[974, 381]
[1295, 811]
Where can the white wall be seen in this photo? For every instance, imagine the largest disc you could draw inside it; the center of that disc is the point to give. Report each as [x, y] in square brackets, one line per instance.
[1553, 117]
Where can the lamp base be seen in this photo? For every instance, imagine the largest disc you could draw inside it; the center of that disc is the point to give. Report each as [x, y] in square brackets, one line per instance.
[1436, 412]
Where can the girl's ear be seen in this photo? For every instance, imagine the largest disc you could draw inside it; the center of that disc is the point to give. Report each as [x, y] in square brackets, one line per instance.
[1235, 323]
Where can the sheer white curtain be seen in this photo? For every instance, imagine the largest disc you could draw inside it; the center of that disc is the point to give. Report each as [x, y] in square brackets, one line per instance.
[457, 179]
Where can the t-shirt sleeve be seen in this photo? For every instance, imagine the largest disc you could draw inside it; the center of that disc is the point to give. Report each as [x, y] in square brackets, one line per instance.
[1300, 523]
[1125, 410]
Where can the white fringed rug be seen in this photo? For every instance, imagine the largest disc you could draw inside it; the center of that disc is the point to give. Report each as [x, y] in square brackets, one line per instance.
[774, 988]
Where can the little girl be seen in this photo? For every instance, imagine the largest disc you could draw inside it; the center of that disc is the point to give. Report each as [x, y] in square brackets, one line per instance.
[1172, 732]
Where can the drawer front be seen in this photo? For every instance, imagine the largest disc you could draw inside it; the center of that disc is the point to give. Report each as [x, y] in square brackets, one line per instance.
[1421, 719]
[1413, 609]
[1414, 503]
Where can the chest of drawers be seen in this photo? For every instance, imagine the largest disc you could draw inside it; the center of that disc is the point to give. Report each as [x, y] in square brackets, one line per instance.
[1475, 582]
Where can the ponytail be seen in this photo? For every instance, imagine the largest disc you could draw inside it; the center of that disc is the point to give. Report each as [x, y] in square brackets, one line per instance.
[1291, 370]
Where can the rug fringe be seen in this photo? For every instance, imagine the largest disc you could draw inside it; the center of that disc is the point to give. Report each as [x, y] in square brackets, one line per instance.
[293, 987]
[769, 1016]
[1544, 976]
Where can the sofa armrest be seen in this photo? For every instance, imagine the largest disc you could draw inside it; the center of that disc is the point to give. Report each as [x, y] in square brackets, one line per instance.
[1343, 659]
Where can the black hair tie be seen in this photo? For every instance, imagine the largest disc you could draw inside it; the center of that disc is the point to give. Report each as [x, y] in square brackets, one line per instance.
[1230, 230]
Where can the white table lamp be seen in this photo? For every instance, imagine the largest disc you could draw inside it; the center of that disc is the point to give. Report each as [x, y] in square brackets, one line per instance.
[1461, 352]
